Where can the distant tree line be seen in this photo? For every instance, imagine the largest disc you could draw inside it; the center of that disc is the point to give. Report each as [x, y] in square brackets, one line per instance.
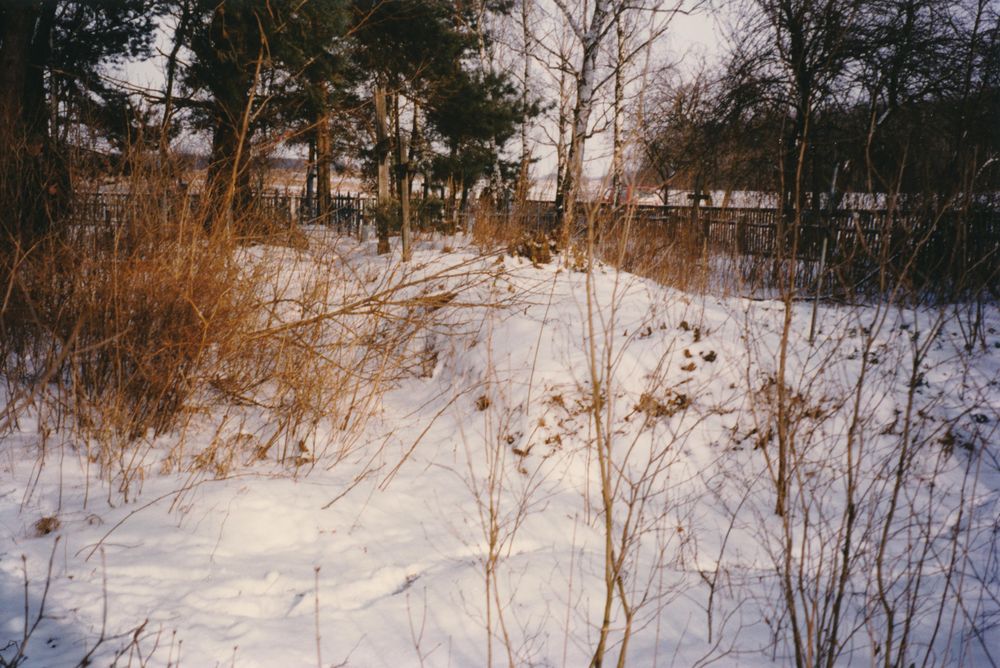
[818, 99]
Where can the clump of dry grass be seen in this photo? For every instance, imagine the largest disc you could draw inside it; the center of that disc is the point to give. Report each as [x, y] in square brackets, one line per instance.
[111, 326]
[645, 248]
[672, 255]
[523, 232]
[158, 323]
[121, 317]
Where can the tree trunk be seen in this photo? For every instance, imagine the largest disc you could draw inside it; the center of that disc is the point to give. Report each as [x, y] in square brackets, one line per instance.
[228, 175]
[36, 184]
[14, 156]
[562, 122]
[413, 158]
[180, 38]
[585, 89]
[35, 110]
[15, 37]
[382, 153]
[323, 159]
[618, 141]
[403, 181]
[522, 177]
[453, 193]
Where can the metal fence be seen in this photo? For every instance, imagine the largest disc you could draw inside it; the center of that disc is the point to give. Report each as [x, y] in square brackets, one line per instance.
[348, 211]
[947, 248]
[945, 252]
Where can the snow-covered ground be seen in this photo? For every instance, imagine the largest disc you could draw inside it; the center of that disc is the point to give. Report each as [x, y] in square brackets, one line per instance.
[468, 523]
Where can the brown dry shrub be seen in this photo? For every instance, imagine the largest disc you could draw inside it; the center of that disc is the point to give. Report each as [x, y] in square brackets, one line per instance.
[534, 245]
[122, 315]
[161, 318]
[46, 525]
[646, 249]
[667, 406]
[516, 231]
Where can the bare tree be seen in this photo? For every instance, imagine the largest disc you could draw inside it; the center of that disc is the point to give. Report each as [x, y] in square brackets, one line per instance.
[591, 34]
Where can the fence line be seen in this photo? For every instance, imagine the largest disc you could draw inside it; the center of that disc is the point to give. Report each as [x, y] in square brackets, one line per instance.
[348, 211]
[947, 253]
[945, 248]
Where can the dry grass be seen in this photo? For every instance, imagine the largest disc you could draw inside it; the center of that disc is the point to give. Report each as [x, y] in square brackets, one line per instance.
[151, 327]
[623, 240]
[122, 318]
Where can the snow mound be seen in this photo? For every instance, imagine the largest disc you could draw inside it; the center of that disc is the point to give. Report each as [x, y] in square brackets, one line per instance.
[469, 525]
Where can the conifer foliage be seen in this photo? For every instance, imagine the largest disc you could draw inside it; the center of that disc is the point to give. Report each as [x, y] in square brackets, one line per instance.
[52, 55]
[397, 81]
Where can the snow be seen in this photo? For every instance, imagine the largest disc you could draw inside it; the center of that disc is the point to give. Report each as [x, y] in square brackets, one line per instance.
[380, 558]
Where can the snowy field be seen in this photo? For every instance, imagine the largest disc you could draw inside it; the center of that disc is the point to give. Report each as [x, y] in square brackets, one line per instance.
[465, 524]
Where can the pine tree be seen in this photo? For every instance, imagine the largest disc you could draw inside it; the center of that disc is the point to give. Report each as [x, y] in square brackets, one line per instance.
[402, 48]
[249, 60]
[475, 113]
[51, 54]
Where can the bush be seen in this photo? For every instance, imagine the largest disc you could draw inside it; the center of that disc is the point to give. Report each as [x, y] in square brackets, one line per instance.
[121, 315]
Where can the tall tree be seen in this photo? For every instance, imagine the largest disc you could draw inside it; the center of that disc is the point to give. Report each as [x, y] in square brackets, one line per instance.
[403, 48]
[527, 47]
[475, 114]
[591, 35]
[316, 50]
[248, 60]
[51, 57]
[591, 31]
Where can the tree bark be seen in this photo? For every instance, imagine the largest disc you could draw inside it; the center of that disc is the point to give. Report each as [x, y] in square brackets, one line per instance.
[323, 159]
[618, 141]
[403, 181]
[413, 159]
[16, 33]
[561, 142]
[36, 184]
[522, 177]
[14, 157]
[382, 154]
[585, 89]
[228, 174]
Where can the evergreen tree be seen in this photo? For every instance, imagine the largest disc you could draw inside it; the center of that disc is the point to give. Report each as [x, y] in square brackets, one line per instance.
[248, 61]
[51, 55]
[315, 54]
[401, 47]
[423, 50]
[474, 114]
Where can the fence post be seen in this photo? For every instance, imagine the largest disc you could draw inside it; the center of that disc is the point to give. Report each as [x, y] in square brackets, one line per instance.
[819, 290]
